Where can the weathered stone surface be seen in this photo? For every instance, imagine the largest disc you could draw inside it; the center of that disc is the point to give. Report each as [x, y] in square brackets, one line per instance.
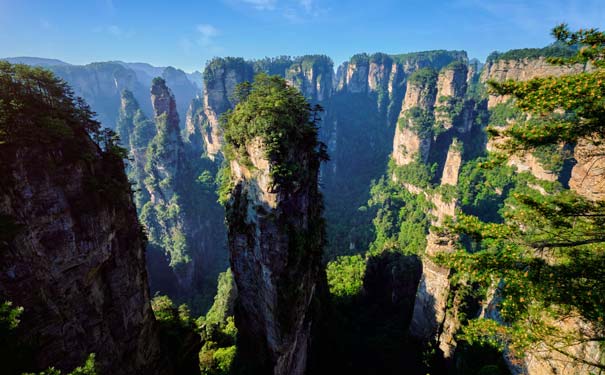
[276, 285]
[588, 174]
[77, 265]
[523, 70]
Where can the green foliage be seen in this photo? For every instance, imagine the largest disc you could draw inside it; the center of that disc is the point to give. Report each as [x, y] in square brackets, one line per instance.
[502, 114]
[402, 221]
[345, 275]
[554, 50]
[279, 117]
[543, 258]
[224, 300]
[179, 341]
[89, 368]
[419, 120]
[416, 173]
[437, 58]
[9, 317]
[551, 157]
[37, 107]
[483, 187]
[218, 330]
[425, 77]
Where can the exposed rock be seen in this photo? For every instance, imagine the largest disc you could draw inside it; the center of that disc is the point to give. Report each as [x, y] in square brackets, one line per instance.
[275, 235]
[407, 144]
[183, 89]
[77, 265]
[357, 75]
[313, 76]
[195, 123]
[221, 76]
[451, 89]
[275, 285]
[451, 170]
[587, 175]
[431, 302]
[523, 70]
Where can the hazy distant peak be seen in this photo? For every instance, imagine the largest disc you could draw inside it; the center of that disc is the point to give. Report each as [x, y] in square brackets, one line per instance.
[35, 61]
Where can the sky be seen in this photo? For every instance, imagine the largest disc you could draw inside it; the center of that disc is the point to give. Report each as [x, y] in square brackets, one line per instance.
[186, 34]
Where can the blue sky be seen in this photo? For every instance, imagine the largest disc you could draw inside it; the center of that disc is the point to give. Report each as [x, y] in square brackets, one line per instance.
[185, 34]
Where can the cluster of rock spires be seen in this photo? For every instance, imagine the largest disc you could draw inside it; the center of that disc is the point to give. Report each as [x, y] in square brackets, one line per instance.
[93, 261]
[435, 317]
[183, 220]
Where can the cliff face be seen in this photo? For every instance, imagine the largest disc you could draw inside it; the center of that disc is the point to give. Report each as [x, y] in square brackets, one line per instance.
[275, 235]
[183, 89]
[221, 76]
[101, 85]
[435, 123]
[367, 100]
[165, 169]
[313, 76]
[263, 227]
[77, 262]
[522, 70]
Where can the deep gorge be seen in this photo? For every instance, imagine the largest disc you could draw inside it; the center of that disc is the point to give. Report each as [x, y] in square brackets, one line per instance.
[339, 265]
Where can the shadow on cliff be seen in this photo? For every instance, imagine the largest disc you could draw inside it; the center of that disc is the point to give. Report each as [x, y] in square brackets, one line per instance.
[367, 333]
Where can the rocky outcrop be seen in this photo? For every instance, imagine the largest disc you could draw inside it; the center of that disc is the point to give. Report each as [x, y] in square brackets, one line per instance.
[221, 76]
[183, 89]
[136, 132]
[276, 284]
[275, 235]
[166, 168]
[523, 70]
[313, 76]
[587, 174]
[411, 139]
[76, 264]
[435, 121]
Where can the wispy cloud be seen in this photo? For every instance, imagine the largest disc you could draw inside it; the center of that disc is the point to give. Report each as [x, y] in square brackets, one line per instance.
[114, 31]
[261, 4]
[207, 34]
[204, 36]
[295, 11]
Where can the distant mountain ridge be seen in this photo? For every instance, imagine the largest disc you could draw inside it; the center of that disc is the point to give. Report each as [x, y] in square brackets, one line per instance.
[101, 84]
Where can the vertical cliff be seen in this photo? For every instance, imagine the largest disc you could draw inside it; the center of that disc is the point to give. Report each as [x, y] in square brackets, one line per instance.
[275, 226]
[183, 89]
[136, 132]
[75, 259]
[221, 76]
[436, 120]
[182, 217]
[367, 100]
[313, 76]
[165, 167]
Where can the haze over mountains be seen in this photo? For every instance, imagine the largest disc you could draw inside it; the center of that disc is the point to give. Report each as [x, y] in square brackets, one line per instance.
[101, 83]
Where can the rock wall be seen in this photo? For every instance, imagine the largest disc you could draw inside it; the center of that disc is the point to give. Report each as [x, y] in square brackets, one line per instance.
[77, 263]
[276, 285]
[443, 100]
